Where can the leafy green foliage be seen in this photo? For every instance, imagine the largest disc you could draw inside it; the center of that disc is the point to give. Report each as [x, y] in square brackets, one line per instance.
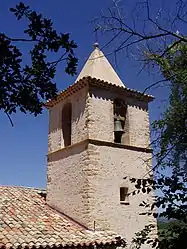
[172, 236]
[27, 87]
[170, 151]
[173, 126]
[157, 35]
[170, 148]
[142, 237]
[172, 203]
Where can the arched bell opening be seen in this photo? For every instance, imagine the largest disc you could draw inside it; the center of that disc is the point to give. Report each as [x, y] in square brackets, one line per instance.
[120, 122]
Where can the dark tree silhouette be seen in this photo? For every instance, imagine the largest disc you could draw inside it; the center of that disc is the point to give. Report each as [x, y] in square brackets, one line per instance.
[27, 86]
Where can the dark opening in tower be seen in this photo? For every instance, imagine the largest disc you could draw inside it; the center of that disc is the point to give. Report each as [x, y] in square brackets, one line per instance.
[120, 111]
[66, 123]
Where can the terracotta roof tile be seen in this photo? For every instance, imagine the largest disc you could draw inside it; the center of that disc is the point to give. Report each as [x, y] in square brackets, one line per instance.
[90, 81]
[26, 221]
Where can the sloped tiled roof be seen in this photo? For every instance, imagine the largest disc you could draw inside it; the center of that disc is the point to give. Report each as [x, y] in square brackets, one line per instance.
[27, 221]
[90, 81]
[97, 66]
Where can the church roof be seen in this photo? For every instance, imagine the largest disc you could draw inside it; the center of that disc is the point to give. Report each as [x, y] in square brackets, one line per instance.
[97, 66]
[27, 221]
[90, 81]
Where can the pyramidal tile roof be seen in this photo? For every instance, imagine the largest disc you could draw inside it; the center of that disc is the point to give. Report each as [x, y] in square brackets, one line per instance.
[27, 221]
[97, 66]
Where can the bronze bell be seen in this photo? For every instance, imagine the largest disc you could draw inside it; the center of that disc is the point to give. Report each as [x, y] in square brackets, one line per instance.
[118, 126]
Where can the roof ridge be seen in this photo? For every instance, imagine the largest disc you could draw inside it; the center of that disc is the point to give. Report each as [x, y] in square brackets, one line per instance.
[67, 217]
[25, 187]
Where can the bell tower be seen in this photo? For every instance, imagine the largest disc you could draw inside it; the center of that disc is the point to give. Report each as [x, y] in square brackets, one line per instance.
[98, 139]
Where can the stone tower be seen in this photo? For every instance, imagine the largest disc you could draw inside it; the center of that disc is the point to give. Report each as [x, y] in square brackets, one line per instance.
[98, 139]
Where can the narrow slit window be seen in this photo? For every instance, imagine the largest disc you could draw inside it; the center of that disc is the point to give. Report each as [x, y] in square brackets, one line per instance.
[66, 124]
[124, 195]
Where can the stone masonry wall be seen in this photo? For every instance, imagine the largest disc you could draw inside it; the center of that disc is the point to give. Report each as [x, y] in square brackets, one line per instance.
[92, 116]
[84, 183]
[79, 117]
[100, 118]
[101, 122]
[67, 182]
[113, 165]
[84, 180]
[139, 126]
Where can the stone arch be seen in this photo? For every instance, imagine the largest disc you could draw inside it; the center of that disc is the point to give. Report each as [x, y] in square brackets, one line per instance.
[120, 120]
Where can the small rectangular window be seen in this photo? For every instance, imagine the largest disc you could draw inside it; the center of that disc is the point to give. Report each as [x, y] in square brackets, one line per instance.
[124, 195]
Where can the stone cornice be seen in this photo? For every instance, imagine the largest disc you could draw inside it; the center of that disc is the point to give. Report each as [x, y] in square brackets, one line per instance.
[121, 146]
[102, 143]
[83, 142]
[89, 81]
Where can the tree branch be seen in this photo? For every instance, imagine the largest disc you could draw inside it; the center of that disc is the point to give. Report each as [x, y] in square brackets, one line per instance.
[18, 39]
[54, 63]
[11, 122]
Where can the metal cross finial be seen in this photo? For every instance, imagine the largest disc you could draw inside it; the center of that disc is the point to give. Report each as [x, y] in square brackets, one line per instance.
[96, 44]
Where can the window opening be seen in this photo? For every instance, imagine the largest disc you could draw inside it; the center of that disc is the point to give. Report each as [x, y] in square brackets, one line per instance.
[120, 109]
[66, 123]
[124, 195]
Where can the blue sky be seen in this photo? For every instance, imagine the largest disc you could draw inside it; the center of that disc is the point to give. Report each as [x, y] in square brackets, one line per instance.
[23, 148]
